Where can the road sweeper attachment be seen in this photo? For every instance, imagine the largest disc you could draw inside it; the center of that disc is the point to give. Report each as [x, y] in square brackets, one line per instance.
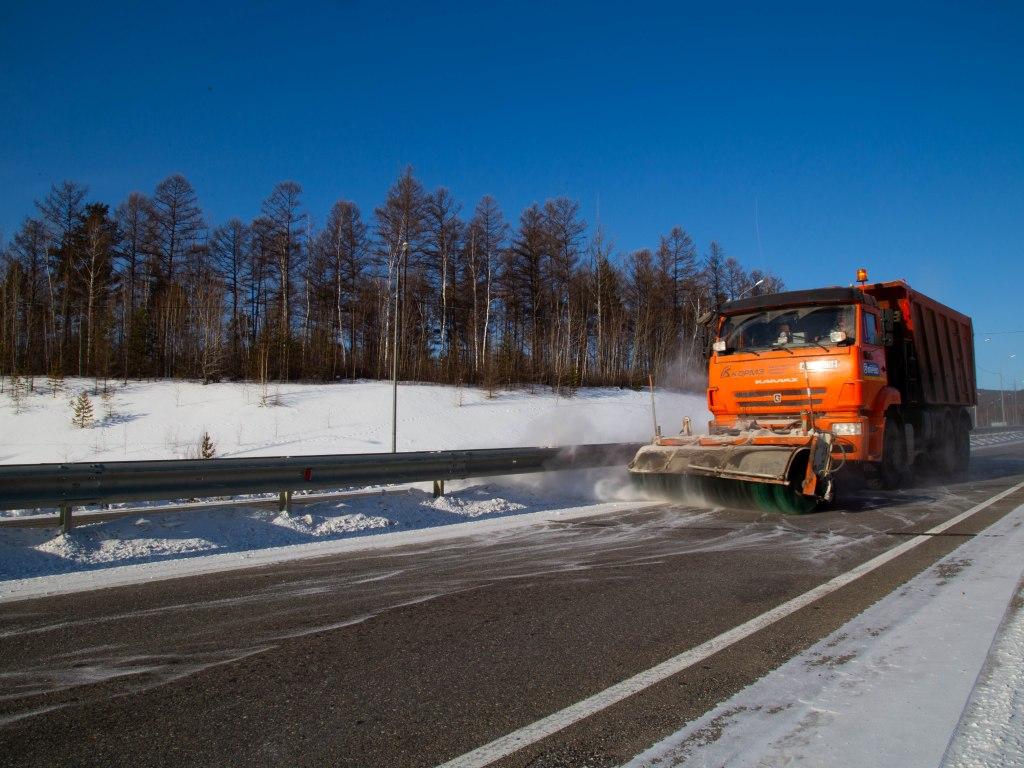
[760, 468]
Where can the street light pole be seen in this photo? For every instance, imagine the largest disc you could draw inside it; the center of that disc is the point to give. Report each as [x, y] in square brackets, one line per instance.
[1014, 418]
[1002, 398]
[394, 352]
[1016, 412]
[750, 289]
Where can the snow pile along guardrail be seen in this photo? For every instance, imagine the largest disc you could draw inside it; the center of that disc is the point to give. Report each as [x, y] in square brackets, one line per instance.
[65, 485]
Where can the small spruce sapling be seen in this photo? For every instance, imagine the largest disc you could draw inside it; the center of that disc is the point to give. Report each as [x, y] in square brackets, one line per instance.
[207, 449]
[55, 381]
[17, 393]
[107, 396]
[81, 408]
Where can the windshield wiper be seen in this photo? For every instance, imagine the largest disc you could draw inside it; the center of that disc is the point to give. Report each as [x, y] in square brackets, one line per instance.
[785, 347]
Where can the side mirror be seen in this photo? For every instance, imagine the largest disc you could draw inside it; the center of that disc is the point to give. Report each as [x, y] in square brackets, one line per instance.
[890, 317]
[705, 318]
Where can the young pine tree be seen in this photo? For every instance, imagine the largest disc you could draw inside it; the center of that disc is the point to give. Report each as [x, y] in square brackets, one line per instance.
[109, 407]
[207, 450]
[81, 409]
[55, 381]
[17, 391]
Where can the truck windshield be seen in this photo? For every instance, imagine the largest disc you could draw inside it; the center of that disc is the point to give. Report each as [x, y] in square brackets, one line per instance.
[792, 327]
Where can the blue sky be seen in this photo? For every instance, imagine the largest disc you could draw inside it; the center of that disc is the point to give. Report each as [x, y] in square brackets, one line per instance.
[864, 135]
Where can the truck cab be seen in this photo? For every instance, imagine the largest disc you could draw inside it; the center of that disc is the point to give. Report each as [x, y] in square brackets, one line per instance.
[783, 360]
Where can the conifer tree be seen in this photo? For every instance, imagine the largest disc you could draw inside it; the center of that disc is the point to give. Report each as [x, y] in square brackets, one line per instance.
[17, 392]
[55, 380]
[81, 408]
[207, 449]
[107, 396]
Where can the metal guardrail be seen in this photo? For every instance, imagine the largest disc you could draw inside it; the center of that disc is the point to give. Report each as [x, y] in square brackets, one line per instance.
[28, 486]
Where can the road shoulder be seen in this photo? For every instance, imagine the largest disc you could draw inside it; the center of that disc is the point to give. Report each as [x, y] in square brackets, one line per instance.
[888, 687]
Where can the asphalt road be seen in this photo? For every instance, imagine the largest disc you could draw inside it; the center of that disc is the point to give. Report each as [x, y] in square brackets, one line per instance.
[414, 656]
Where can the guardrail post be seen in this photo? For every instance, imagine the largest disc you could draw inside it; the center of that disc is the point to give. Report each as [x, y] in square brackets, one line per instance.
[285, 502]
[65, 518]
[438, 488]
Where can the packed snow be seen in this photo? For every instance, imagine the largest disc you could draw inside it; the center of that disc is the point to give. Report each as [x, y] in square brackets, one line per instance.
[161, 420]
[930, 674]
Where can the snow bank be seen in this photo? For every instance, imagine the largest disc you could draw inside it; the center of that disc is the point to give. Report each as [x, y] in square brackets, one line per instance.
[28, 552]
[83, 560]
[991, 731]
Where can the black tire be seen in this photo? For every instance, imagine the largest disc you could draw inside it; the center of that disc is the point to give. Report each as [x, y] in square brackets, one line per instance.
[894, 468]
[944, 455]
[962, 442]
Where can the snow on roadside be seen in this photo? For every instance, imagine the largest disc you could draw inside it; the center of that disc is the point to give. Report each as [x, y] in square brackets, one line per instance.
[991, 731]
[28, 552]
[167, 419]
[890, 686]
[171, 567]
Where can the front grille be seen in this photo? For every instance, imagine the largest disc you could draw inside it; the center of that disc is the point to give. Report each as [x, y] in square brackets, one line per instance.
[783, 392]
[780, 404]
[764, 398]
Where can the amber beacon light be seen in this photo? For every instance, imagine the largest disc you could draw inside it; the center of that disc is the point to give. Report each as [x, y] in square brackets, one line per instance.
[862, 276]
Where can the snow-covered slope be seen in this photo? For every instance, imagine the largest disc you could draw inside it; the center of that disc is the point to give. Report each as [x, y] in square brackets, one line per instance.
[166, 420]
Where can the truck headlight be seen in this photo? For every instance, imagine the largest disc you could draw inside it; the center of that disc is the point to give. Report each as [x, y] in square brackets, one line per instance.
[846, 428]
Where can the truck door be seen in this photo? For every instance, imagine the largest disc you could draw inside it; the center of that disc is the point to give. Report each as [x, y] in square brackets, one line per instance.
[872, 361]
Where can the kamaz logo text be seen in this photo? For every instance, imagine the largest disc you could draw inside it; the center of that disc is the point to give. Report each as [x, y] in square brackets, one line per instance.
[727, 372]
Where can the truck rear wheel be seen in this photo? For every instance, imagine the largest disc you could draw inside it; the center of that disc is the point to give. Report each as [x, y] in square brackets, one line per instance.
[962, 441]
[944, 454]
[894, 467]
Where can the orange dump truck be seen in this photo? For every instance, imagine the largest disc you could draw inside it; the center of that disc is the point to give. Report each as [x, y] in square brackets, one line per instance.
[804, 383]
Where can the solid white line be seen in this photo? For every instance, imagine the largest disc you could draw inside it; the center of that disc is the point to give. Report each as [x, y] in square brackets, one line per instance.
[541, 729]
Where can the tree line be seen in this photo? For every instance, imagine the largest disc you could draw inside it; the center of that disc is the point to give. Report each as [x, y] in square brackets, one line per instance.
[421, 287]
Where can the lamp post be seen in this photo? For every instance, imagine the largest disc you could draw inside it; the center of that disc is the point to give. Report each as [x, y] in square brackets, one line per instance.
[394, 351]
[1002, 392]
[750, 288]
[1016, 412]
[1002, 399]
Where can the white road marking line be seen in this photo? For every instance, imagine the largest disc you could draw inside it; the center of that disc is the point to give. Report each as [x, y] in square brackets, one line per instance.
[1002, 438]
[541, 729]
